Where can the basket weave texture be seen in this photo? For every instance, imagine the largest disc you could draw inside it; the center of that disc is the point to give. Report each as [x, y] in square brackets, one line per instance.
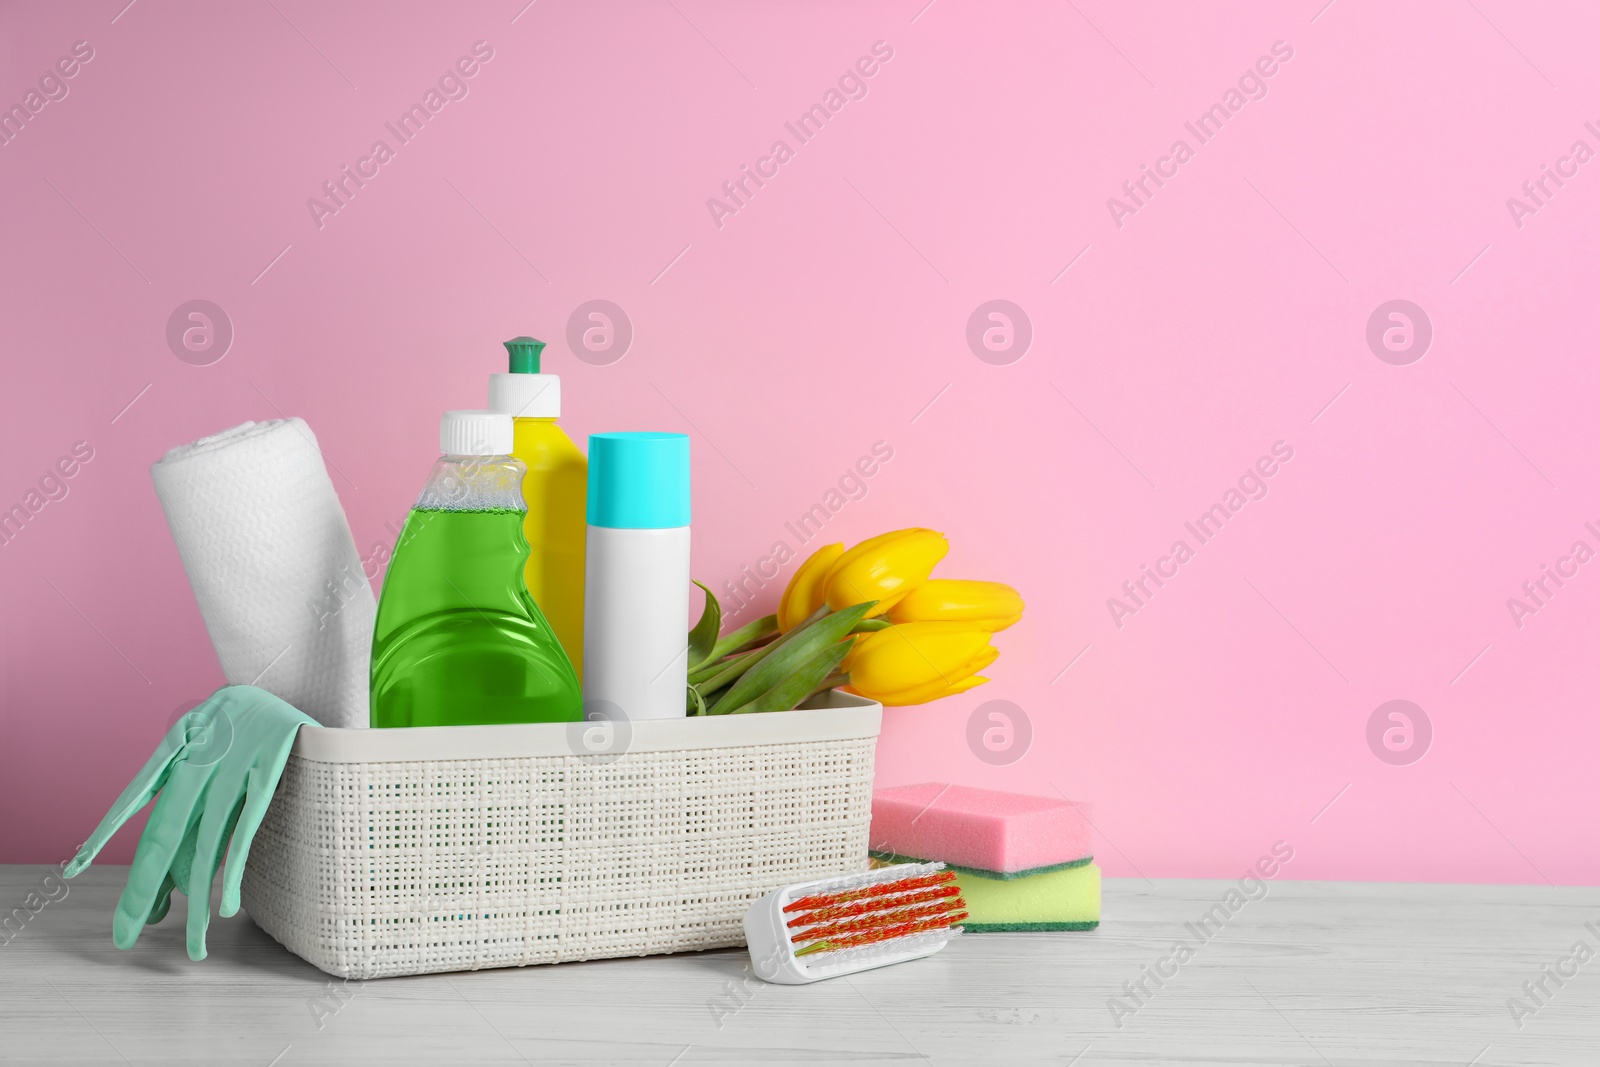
[376, 869]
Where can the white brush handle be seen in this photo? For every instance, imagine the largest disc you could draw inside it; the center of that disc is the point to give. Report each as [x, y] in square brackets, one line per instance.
[772, 954]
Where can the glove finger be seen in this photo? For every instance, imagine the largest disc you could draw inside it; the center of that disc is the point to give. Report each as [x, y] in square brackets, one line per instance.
[163, 902]
[253, 811]
[170, 822]
[150, 780]
[224, 800]
[263, 784]
[183, 859]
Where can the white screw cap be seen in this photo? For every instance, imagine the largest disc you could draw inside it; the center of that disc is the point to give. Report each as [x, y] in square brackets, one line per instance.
[475, 433]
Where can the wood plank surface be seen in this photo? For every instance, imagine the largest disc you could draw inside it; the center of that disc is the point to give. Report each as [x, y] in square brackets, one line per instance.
[1318, 973]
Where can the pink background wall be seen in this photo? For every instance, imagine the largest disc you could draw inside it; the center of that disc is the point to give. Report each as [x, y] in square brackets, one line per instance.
[1229, 312]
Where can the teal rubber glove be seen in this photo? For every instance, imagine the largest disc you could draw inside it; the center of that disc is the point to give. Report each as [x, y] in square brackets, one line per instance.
[215, 771]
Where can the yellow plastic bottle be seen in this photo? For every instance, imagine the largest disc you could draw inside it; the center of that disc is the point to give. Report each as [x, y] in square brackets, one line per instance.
[555, 488]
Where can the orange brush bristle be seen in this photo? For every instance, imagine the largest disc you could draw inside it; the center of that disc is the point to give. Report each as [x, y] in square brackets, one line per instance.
[836, 926]
[888, 933]
[863, 907]
[831, 931]
[831, 922]
[902, 886]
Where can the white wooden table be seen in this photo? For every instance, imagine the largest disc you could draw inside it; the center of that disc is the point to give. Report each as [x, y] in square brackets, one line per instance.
[1315, 973]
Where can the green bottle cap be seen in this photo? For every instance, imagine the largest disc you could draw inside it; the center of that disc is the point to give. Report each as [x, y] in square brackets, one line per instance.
[524, 354]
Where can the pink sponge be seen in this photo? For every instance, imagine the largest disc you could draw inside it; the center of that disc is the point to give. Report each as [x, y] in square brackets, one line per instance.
[1002, 835]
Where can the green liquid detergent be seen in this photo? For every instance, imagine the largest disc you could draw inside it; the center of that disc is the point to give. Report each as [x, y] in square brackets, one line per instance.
[458, 640]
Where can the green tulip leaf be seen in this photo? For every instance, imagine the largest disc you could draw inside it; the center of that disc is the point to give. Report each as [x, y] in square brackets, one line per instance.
[696, 704]
[719, 673]
[832, 681]
[703, 638]
[867, 626]
[789, 653]
[799, 685]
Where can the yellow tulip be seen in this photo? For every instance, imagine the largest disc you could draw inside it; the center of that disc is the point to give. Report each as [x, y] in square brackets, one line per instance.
[804, 592]
[985, 605]
[916, 662]
[884, 568]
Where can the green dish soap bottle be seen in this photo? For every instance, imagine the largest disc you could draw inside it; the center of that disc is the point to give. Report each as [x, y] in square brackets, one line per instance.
[458, 640]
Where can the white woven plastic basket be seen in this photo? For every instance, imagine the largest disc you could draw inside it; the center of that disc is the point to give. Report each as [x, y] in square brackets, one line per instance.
[390, 852]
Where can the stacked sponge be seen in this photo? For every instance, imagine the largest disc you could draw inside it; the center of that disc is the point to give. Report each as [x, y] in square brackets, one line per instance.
[1022, 862]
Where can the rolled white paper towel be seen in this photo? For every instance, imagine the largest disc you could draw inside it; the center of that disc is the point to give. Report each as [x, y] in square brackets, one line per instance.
[269, 555]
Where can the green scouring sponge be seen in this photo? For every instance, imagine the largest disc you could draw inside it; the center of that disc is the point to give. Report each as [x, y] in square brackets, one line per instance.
[1065, 899]
[1057, 900]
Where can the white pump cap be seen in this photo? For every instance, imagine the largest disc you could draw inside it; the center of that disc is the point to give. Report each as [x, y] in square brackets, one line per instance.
[526, 396]
[475, 433]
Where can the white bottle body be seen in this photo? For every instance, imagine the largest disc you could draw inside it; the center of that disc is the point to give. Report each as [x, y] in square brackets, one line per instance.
[635, 622]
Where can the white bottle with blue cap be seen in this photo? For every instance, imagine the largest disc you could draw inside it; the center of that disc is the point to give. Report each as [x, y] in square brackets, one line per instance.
[636, 581]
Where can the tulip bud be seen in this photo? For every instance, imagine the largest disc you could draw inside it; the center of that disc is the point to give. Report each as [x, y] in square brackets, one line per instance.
[985, 605]
[884, 568]
[804, 592]
[917, 662]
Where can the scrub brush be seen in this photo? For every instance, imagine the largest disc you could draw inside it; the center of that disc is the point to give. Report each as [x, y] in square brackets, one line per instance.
[814, 930]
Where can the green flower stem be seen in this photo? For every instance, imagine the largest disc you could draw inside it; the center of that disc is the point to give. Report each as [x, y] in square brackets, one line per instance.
[729, 671]
[790, 653]
[797, 686]
[711, 669]
[745, 636]
[757, 669]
